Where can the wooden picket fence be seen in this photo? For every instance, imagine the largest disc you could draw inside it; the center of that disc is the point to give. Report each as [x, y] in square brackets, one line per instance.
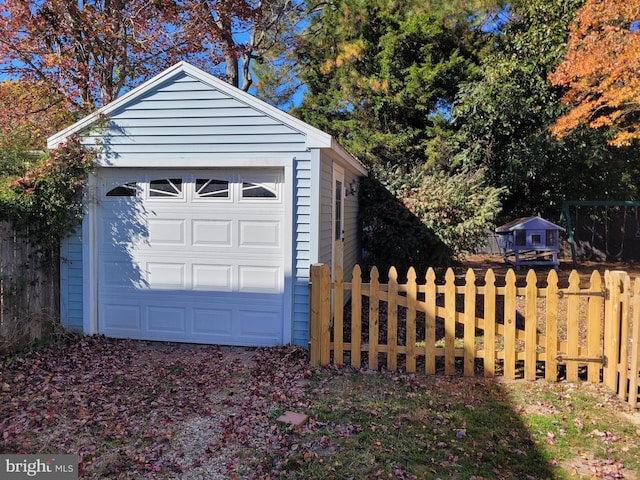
[579, 332]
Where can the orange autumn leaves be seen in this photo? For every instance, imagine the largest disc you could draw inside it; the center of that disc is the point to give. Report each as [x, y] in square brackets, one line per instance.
[601, 71]
[29, 113]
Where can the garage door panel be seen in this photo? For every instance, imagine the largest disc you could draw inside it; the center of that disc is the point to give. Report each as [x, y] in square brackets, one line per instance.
[166, 232]
[212, 277]
[259, 234]
[118, 316]
[121, 233]
[121, 274]
[162, 275]
[211, 233]
[213, 321]
[259, 322]
[164, 319]
[253, 278]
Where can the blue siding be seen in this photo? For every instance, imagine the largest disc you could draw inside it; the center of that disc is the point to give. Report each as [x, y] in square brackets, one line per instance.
[187, 119]
[301, 254]
[351, 228]
[71, 282]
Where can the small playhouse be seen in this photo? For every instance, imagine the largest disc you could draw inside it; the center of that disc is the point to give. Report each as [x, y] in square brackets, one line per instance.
[530, 241]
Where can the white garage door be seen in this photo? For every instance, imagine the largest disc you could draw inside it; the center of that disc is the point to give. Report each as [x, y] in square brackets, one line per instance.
[191, 256]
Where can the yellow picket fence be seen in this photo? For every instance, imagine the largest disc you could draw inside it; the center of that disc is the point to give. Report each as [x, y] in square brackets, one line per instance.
[579, 332]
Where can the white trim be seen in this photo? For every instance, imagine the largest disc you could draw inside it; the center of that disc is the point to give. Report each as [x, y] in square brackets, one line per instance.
[177, 162]
[289, 258]
[89, 260]
[314, 218]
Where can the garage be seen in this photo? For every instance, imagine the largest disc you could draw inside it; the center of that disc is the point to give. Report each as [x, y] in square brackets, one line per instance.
[193, 256]
[203, 214]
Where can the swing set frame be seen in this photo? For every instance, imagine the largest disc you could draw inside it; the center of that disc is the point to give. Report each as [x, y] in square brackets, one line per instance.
[566, 212]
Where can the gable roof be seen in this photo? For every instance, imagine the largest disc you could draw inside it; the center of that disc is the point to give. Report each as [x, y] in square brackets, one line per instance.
[315, 138]
[523, 223]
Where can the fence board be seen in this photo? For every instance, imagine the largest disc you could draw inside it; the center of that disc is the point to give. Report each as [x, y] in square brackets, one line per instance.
[551, 330]
[634, 365]
[410, 325]
[449, 323]
[374, 312]
[509, 338]
[594, 328]
[530, 326]
[573, 326]
[490, 324]
[612, 330]
[430, 322]
[623, 366]
[356, 317]
[392, 320]
[469, 323]
[338, 312]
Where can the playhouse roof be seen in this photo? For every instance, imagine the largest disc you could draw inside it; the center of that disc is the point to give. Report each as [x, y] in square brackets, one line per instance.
[528, 223]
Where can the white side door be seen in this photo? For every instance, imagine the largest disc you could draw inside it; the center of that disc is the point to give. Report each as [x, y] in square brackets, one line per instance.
[337, 218]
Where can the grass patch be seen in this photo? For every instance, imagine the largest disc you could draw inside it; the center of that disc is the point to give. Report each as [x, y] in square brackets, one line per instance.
[379, 425]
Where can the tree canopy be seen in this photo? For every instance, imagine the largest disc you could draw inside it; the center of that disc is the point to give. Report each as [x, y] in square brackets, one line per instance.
[502, 121]
[91, 51]
[379, 73]
[601, 71]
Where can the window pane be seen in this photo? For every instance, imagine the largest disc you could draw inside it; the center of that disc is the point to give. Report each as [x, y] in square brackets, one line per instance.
[551, 238]
[126, 190]
[167, 187]
[210, 188]
[255, 190]
[338, 211]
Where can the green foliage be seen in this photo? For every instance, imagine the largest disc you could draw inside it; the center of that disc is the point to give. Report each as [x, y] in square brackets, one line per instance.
[391, 235]
[503, 121]
[425, 218]
[378, 72]
[459, 207]
[45, 201]
[381, 77]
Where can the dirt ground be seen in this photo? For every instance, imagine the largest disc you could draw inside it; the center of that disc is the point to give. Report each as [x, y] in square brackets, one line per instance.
[481, 263]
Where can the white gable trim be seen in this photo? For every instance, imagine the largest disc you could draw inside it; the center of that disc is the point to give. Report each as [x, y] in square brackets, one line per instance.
[315, 138]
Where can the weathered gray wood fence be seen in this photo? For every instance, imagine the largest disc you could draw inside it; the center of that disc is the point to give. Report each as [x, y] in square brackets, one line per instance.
[29, 289]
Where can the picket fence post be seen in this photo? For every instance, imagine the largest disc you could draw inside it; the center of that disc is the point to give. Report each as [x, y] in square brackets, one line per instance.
[510, 310]
[613, 311]
[551, 328]
[634, 367]
[594, 327]
[320, 310]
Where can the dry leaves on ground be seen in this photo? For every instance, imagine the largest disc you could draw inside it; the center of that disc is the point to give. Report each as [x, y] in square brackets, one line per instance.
[134, 409]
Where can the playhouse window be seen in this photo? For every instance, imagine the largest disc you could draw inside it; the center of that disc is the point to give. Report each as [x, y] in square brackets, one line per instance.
[521, 237]
[536, 239]
[552, 237]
